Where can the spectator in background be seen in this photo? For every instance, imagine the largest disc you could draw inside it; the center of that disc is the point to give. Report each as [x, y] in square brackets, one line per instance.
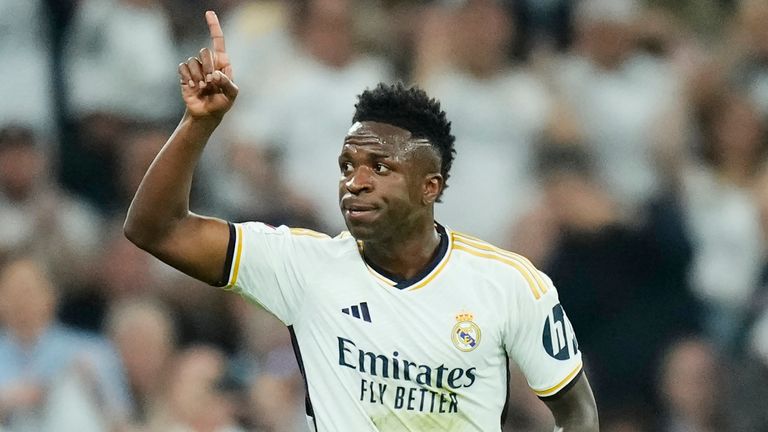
[26, 47]
[265, 364]
[143, 332]
[305, 105]
[501, 110]
[137, 151]
[36, 352]
[120, 272]
[262, 42]
[104, 41]
[722, 215]
[545, 24]
[39, 217]
[194, 399]
[276, 399]
[619, 95]
[694, 387]
[108, 93]
[624, 285]
[256, 190]
[124, 273]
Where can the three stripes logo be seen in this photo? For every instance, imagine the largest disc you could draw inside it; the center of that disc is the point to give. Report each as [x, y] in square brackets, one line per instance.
[358, 311]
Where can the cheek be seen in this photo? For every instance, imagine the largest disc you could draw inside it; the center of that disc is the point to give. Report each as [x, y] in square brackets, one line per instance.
[406, 196]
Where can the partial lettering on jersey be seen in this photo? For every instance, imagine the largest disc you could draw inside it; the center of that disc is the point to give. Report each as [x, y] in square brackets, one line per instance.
[418, 387]
[558, 337]
[430, 354]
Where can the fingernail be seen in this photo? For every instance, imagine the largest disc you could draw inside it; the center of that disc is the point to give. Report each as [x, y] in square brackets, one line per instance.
[202, 84]
[191, 83]
[217, 75]
[209, 78]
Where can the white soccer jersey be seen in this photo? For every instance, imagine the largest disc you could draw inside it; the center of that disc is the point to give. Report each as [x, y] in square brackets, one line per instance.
[418, 355]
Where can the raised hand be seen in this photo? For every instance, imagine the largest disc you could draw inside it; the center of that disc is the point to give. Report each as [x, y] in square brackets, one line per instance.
[206, 80]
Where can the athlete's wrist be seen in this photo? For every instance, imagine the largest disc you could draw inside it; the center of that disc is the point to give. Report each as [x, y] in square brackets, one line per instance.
[203, 124]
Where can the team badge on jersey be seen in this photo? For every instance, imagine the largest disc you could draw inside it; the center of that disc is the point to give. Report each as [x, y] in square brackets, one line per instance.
[465, 334]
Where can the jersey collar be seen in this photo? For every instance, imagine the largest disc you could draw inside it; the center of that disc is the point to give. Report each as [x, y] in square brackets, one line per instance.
[423, 277]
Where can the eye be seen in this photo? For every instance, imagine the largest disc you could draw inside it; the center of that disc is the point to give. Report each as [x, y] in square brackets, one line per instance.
[345, 168]
[380, 168]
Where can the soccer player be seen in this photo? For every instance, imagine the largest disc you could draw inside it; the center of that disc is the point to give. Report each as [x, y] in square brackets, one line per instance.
[400, 323]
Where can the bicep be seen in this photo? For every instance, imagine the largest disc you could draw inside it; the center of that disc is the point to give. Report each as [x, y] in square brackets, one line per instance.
[574, 407]
[197, 246]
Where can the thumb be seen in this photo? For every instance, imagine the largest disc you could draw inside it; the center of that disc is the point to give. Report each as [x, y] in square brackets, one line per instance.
[226, 85]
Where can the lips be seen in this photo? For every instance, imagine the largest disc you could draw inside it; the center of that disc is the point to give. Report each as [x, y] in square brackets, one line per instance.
[356, 210]
[356, 205]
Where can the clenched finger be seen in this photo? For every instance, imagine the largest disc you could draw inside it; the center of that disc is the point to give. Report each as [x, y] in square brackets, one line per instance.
[196, 71]
[225, 85]
[185, 76]
[206, 58]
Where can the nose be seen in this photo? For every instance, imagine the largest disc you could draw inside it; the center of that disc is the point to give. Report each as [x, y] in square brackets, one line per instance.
[359, 181]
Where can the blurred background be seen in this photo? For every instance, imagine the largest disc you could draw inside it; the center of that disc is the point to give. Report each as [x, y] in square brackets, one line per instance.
[620, 144]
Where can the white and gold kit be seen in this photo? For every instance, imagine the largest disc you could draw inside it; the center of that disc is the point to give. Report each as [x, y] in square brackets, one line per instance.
[426, 354]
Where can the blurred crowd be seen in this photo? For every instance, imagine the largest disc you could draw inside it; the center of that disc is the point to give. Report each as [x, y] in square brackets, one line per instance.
[619, 144]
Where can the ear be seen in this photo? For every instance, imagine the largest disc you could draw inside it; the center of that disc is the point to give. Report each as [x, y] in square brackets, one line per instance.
[433, 185]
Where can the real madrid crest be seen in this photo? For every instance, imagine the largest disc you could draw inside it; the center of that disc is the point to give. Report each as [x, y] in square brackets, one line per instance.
[465, 334]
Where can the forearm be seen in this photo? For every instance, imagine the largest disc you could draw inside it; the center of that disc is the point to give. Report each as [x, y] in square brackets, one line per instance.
[162, 200]
[579, 425]
[580, 417]
[575, 410]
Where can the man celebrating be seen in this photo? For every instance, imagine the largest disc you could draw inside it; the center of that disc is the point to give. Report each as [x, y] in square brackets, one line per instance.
[398, 324]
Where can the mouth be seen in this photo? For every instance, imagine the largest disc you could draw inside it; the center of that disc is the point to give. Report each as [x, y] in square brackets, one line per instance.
[358, 211]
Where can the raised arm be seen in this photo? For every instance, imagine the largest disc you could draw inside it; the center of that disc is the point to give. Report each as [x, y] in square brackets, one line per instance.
[575, 410]
[159, 220]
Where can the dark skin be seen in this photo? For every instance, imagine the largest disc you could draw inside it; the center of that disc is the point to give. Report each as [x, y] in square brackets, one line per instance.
[389, 184]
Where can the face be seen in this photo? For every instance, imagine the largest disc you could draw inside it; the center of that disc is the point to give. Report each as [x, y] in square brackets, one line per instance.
[20, 169]
[389, 181]
[27, 301]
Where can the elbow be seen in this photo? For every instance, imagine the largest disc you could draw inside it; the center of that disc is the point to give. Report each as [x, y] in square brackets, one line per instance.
[146, 235]
[136, 234]
[132, 232]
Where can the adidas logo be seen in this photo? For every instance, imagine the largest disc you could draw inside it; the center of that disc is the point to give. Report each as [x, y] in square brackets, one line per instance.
[356, 311]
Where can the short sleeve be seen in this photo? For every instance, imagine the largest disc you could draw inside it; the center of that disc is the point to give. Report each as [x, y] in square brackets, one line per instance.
[540, 338]
[268, 265]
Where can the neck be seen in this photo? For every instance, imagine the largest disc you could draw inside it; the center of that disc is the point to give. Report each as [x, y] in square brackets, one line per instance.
[407, 254]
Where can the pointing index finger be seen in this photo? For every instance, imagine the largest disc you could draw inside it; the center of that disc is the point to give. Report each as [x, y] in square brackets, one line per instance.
[217, 36]
[219, 48]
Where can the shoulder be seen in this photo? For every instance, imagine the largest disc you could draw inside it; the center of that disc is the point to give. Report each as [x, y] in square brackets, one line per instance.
[302, 238]
[506, 267]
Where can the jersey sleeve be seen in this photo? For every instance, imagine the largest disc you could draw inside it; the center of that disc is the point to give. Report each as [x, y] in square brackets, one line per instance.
[540, 338]
[269, 266]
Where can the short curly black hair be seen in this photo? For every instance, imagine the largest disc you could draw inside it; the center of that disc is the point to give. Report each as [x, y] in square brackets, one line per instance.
[410, 108]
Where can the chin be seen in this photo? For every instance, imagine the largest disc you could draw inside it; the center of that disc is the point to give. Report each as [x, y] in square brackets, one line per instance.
[361, 232]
